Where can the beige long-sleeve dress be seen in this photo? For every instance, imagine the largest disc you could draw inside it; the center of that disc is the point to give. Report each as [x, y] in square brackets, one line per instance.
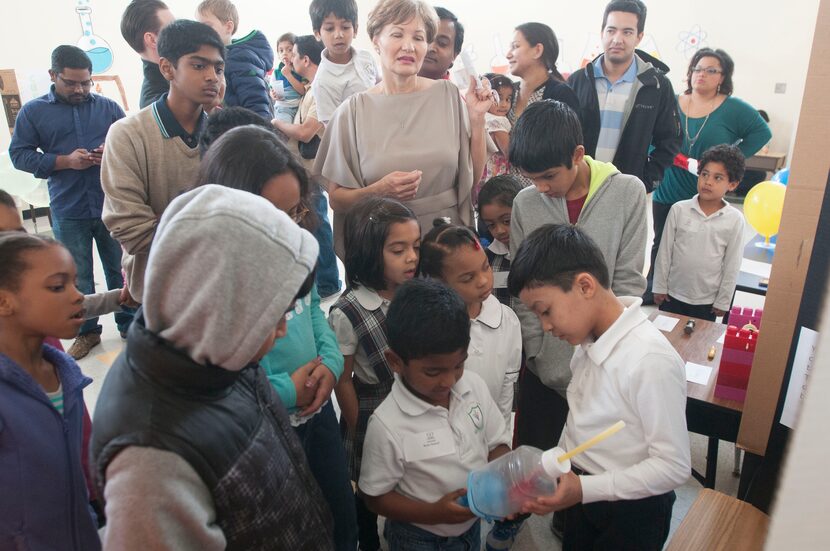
[371, 135]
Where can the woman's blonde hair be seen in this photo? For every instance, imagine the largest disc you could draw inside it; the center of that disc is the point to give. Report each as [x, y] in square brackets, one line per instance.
[390, 12]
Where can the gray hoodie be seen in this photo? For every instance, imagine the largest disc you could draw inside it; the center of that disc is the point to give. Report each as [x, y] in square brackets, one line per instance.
[614, 216]
[219, 251]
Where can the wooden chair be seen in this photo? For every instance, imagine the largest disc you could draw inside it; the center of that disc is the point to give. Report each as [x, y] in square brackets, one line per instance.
[717, 521]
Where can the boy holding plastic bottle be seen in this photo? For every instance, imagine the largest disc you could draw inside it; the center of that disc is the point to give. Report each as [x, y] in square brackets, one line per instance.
[619, 494]
[437, 424]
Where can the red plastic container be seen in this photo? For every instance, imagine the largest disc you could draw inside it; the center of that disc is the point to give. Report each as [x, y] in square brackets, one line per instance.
[735, 363]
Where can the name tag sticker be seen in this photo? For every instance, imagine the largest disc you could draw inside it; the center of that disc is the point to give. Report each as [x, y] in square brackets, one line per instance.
[500, 280]
[429, 444]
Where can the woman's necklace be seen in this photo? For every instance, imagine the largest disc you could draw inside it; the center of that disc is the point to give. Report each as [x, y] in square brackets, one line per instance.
[690, 139]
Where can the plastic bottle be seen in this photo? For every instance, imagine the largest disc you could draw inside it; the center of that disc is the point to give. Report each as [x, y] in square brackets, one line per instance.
[505, 484]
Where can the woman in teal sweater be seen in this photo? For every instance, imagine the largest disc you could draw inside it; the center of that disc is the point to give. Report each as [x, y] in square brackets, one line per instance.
[709, 116]
[303, 366]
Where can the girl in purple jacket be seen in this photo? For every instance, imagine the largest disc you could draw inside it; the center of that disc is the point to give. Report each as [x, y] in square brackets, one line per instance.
[44, 501]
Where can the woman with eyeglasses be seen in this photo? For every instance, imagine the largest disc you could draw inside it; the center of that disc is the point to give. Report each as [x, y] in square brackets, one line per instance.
[709, 115]
[303, 366]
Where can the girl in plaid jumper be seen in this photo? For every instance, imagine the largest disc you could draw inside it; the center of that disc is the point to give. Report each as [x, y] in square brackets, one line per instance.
[495, 205]
[382, 241]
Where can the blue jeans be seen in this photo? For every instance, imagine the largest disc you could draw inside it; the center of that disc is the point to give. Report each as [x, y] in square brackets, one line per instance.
[408, 537]
[328, 276]
[323, 446]
[77, 235]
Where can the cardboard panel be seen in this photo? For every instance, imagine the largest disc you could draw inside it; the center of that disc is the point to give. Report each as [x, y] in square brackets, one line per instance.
[10, 94]
[805, 193]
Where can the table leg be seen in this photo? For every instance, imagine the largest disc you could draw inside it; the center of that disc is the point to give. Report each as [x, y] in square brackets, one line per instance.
[711, 463]
[33, 215]
[736, 468]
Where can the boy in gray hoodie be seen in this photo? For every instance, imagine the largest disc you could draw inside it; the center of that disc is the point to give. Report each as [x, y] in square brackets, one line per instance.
[191, 446]
[569, 188]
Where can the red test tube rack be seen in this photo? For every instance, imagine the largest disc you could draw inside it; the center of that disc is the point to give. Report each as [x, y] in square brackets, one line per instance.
[735, 363]
[740, 316]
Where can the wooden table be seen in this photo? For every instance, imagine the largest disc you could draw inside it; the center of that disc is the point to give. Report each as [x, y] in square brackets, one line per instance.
[717, 521]
[716, 418]
[751, 283]
[771, 162]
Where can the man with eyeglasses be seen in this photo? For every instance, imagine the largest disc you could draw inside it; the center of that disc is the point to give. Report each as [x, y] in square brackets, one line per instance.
[628, 108]
[60, 136]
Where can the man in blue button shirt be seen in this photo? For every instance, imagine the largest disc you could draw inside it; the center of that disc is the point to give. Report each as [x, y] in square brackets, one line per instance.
[60, 136]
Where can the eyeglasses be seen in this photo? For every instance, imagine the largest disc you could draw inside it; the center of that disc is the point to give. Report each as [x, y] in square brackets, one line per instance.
[85, 85]
[298, 213]
[707, 70]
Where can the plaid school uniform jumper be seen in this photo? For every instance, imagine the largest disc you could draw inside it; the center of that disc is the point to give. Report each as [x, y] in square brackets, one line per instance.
[370, 328]
[500, 263]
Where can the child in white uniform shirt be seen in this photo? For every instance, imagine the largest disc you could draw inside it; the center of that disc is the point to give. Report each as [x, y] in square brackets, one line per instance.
[454, 255]
[700, 254]
[620, 493]
[436, 426]
[343, 70]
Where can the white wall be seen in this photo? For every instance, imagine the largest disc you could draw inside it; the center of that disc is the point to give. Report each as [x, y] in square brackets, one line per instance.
[768, 39]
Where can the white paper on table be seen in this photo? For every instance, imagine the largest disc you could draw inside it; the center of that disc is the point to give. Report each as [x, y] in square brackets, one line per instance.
[805, 354]
[761, 269]
[698, 374]
[665, 323]
[722, 337]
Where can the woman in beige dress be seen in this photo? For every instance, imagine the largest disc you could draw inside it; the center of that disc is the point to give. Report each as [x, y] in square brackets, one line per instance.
[409, 138]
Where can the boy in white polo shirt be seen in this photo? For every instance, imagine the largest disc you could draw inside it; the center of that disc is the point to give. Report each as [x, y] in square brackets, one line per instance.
[343, 70]
[620, 493]
[437, 424]
[702, 247]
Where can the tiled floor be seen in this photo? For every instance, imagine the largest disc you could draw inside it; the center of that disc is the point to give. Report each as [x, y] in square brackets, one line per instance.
[536, 534]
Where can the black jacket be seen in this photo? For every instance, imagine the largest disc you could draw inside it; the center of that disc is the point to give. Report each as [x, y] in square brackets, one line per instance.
[653, 120]
[560, 91]
[229, 426]
[154, 85]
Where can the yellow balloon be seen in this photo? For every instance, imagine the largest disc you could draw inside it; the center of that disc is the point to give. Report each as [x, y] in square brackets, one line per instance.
[763, 207]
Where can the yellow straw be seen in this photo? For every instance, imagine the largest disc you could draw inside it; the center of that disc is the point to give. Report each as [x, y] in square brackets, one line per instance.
[613, 429]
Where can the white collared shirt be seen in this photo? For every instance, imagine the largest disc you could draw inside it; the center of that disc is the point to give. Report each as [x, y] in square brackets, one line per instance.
[631, 373]
[334, 83]
[495, 352]
[347, 338]
[700, 256]
[499, 248]
[424, 452]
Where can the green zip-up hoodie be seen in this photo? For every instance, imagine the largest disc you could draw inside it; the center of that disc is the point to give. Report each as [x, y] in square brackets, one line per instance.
[614, 216]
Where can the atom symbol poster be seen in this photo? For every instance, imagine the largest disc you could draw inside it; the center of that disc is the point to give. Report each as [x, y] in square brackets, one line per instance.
[691, 41]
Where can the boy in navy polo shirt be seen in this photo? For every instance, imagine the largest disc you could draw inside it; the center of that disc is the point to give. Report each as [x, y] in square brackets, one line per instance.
[153, 156]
